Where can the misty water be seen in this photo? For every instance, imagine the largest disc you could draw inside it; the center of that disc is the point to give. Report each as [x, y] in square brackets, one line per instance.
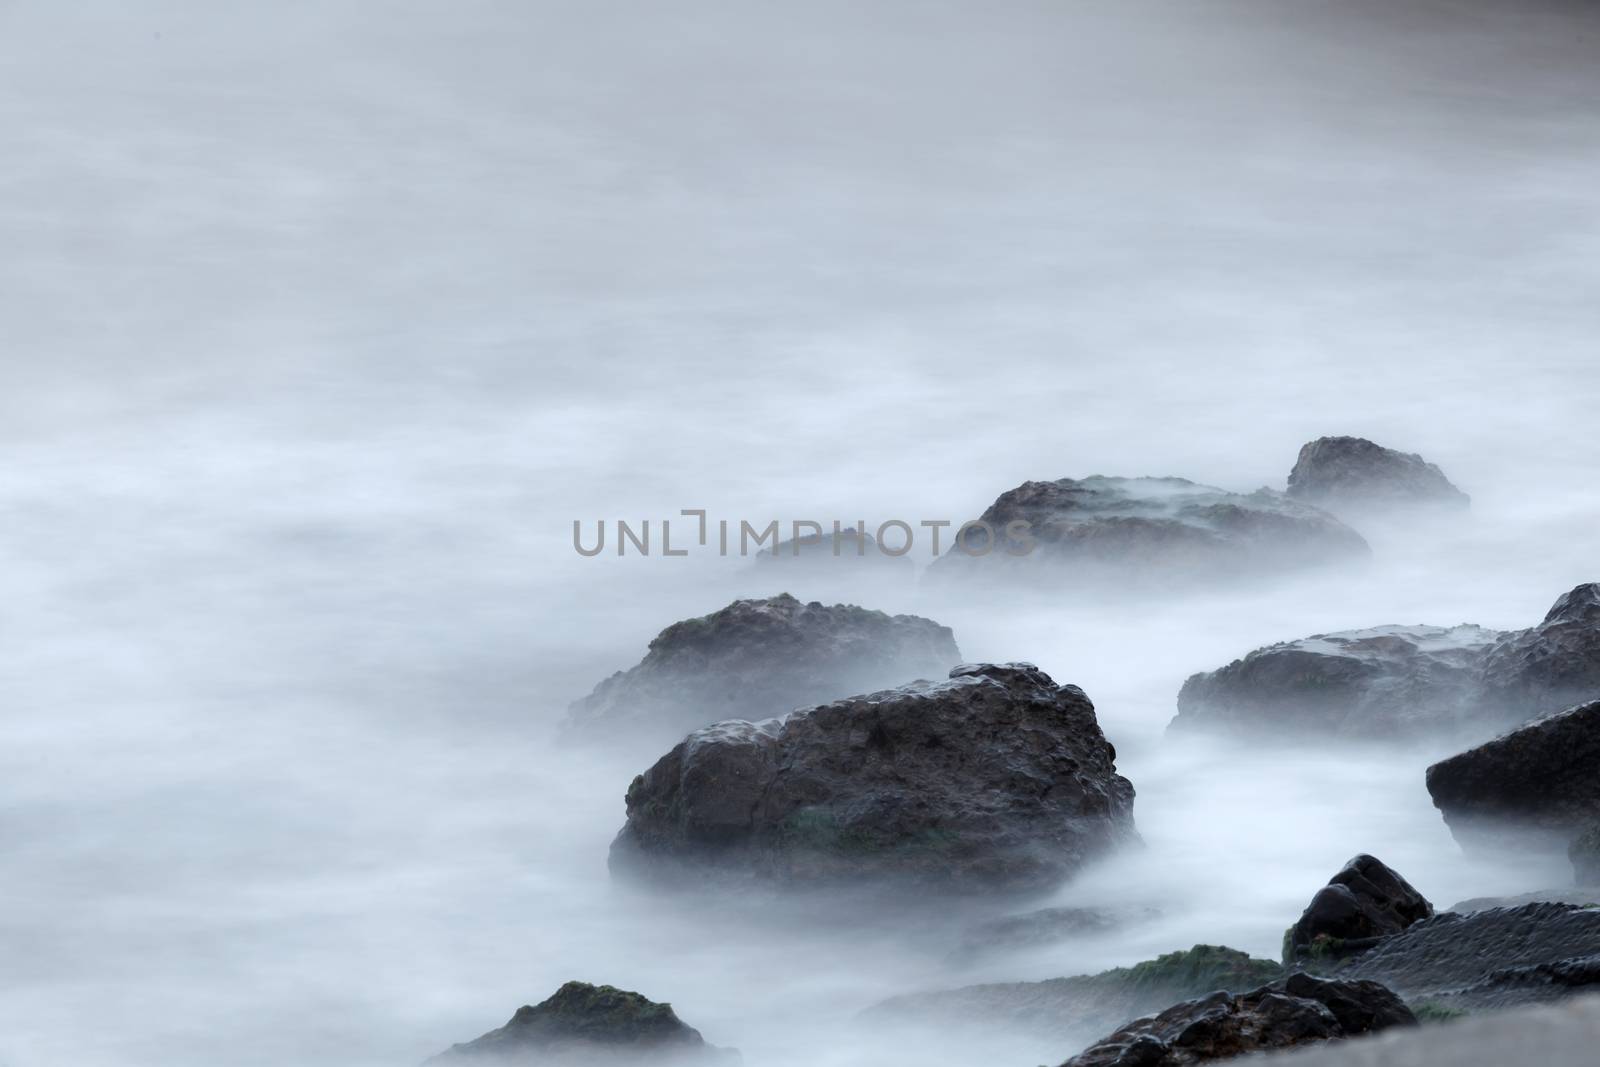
[323, 322]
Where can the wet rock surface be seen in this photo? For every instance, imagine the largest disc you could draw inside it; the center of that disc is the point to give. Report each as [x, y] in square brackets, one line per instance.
[1297, 1010]
[1487, 959]
[1077, 1008]
[1552, 665]
[1385, 681]
[1406, 681]
[589, 1024]
[1366, 901]
[1552, 1035]
[1143, 528]
[995, 779]
[1352, 473]
[757, 658]
[1535, 788]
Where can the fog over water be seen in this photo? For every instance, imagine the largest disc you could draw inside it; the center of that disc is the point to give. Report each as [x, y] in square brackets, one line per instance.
[324, 321]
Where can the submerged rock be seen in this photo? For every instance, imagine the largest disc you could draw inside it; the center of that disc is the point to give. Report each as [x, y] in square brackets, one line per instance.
[1150, 528]
[847, 547]
[1585, 855]
[1406, 681]
[756, 658]
[996, 779]
[1487, 959]
[1297, 1010]
[1352, 473]
[1535, 788]
[589, 1024]
[1385, 681]
[1366, 901]
[1047, 926]
[1077, 1008]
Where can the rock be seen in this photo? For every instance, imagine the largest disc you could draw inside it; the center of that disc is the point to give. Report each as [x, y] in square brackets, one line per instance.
[1532, 789]
[1550, 1035]
[590, 1024]
[1385, 681]
[1364, 902]
[1297, 1010]
[1550, 666]
[847, 547]
[1487, 959]
[1077, 1008]
[996, 779]
[1047, 926]
[1150, 529]
[1564, 895]
[1353, 474]
[756, 658]
[1407, 682]
[1585, 855]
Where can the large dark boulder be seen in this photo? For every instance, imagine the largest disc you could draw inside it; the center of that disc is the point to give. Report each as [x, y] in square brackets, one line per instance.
[1367, 900]
[589, 1024]
[1143, 529]
[1386, 681]
[1063, 1010]
[1297, 1010]
[995, 779]
[1353, 474]
[1534, 789]
[1406, 682]
[1487, 959]
[756, 658]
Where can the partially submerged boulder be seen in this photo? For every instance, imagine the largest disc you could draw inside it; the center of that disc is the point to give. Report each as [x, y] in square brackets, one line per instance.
[1297, 1010]
[1363, 903]
[1047, 926]
[996, 779]
[1552, 665]
[1149, 528]
[1406, 682]
[1585, 855]
[1534, 789]
[1384, 681]
[1077, 1008]
[1354, 474]
[589, 1024]
[756, 658]
[1487, 959]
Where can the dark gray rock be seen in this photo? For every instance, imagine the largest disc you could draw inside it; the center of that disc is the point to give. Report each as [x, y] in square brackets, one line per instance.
[1076, 1008]
[1405, 682]
[1585, 855]
[1385, 681]
[1353, 474]
[1367, 900]
[996, 779]
[588, 1024]
[756, 658]
[1151, 529]
[1486, 959]
[1552, 665]
[1564, 1034]
[1534, 789]
[1297, 1010]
